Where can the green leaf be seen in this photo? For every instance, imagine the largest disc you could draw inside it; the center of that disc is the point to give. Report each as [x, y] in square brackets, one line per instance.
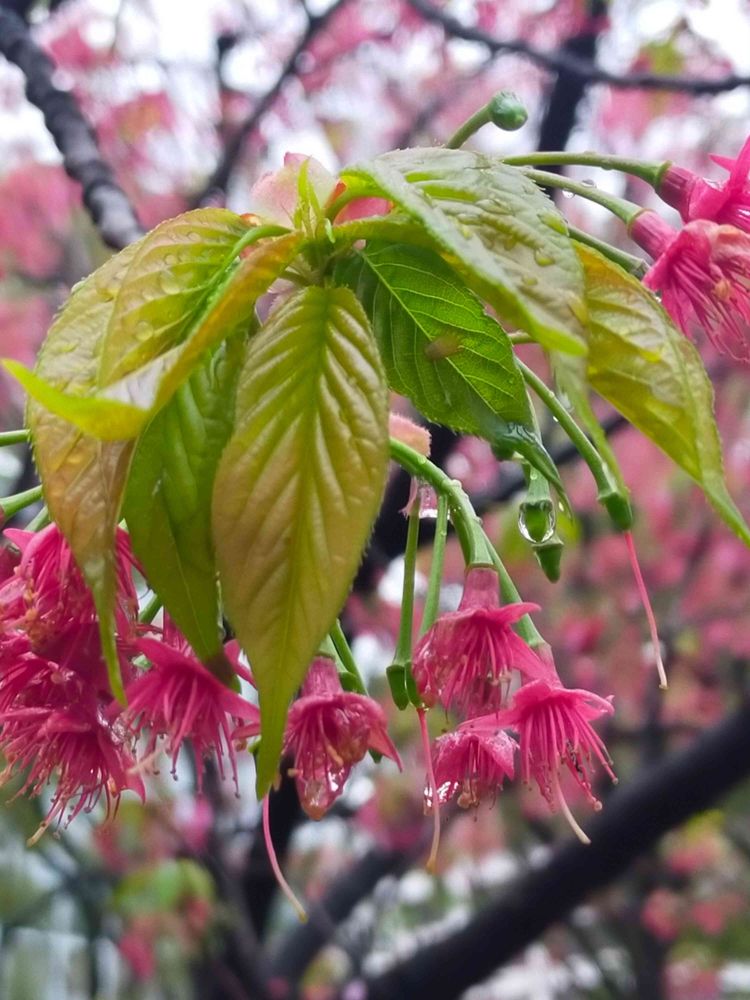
[171, 277]
[122, 409]
[168, 500]
[495, 227]
[441, 349]
[84, 478]
[297, 490]
[648, 370]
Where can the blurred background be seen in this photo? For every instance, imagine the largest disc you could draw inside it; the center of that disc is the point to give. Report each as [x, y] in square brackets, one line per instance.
[191, 103]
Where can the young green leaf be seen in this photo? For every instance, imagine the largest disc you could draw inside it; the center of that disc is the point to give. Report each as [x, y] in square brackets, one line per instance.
[169, 280]
[651, 373]
[168, 499]
[84, 478]
[122, 410]
[297, 490]
[440, 348]
[495, 227]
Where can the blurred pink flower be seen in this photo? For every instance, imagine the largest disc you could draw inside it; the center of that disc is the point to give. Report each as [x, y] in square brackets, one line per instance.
[328, 731]
[702, 273]
[467, 658]
[275, 197]
[474, 761]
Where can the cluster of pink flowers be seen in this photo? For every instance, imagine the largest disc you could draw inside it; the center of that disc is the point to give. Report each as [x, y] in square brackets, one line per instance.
[469, 661]
[57, 714]
[702, 271]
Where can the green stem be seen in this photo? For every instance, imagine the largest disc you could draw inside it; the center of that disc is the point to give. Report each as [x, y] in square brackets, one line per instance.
[13, 437]
[150, 610]
[345, 655]
[624, 210]
[259, 233]
[10, 506]
[405, 630]
[39, 521]
[477, 549]
[652, 173]
[475, 545]
[627, 261]
[610, 493]
[478, 120]
[432, 598]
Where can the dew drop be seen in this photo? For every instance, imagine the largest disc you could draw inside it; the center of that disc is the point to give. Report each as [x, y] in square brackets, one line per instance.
[169, 284]
[568, 194]
[537, 534]
[529, 280]
[542, 258]
[143, 331]
[587, 182]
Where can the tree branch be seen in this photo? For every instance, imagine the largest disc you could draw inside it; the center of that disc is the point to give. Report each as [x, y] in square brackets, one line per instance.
[219, 179]
[566, 61]
[106, 202]
[634, 818]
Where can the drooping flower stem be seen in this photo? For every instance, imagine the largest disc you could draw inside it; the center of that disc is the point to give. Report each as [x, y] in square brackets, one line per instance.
[39, 521]
[13, 437]
[282, 882]
[433, 789]
[477, 549]
[610, 493]
[405, 630]
[150, 610]
[475, 545]
[9, 506]
[345, 655]
[626, 211]
[627, 261]
[652, 173]
[565, 810]
[650, 617]
[432, 599]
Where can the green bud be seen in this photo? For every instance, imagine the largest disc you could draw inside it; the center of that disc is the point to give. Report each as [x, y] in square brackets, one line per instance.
[549, 557]
[396, 675]
[619, 509]
[506, 111]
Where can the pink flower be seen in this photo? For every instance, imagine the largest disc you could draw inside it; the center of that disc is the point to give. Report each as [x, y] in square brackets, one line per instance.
[474, 761]
[89, 757]
[554, 728]
[468, 656]
[328, 731]
[703, 274]
[182, 700]
[694, 197]
[275, 197]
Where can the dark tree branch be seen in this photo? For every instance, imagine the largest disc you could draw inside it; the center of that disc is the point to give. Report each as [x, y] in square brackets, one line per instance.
[219, 180]
[566, 61]
[106, 202]
[634, 818]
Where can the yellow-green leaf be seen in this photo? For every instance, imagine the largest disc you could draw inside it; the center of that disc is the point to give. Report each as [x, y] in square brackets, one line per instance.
[297, 490]
[648, 370]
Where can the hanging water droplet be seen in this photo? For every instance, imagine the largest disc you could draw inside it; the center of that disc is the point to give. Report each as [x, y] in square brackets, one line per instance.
[568, 194]
[536, 522]
[587, 182]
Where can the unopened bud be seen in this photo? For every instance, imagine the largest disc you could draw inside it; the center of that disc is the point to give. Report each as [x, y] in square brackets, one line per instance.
[506, 111]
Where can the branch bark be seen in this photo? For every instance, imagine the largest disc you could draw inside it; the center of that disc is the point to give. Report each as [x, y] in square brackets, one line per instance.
[106, 202]
[634, 818]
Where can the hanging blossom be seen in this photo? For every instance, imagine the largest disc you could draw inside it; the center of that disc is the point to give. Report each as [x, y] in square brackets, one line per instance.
[54, 694]
[328, 731]
[695, 197]
[703, 275]
[472, 762]
[554, 728]
[180, 699]
[467, 658]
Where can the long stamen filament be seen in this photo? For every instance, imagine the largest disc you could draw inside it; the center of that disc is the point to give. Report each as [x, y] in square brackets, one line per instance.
[565, 810]
[282, 882]
[647, 608]
[431, 863]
